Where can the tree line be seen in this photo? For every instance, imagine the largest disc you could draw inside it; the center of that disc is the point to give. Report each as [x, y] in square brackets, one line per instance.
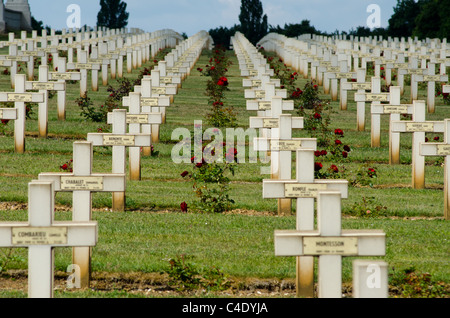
[411, 18]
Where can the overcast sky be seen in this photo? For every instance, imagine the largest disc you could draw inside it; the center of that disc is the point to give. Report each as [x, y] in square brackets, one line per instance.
[192, 16]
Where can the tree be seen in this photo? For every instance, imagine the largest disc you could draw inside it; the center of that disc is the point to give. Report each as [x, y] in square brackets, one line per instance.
[112, 14]
[433, 20]
[294, 30]
[254, 24]
[222, 35]
[403, 22]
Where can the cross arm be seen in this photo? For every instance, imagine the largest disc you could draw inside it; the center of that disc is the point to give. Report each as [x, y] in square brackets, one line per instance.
[410, 126]
[70, 76]
[281, 189]
[77, 234]
[128, 140]
[266, 144]
[392, 109]
[54, 86]
[353, 242]
[267, 122]
[142, 118]
[94, 182]
[434, 149]
[8, 113]
[22, 97]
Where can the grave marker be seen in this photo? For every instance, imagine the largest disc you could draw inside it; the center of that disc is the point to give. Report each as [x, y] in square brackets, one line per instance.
[20, 97]
[44, 86]
[135, 119]
[441, 150]
[376, 97]
[330, 243]
[360, 86]
[431, 78]
[61, 76]
[418, 127]
[119, 140]
[41, 234]
[304, 190]
[82, 183]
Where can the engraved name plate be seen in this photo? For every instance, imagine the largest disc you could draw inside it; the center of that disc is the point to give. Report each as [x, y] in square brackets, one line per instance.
[271, 123]
[137, 119]
[20, 97]
[303, 190]
[149, 101]
[443, 150]
[392, 109]
[118, 140]
[314, 246]
[39, 236]
[265, 105]
[419, 127]
[285, 145]
[81, 183]
[377, 97]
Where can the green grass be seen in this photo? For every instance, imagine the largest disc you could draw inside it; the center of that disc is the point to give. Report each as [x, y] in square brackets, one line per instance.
[142, 239]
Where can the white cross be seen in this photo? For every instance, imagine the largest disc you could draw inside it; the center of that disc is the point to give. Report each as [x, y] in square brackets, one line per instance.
[44, 85]
[330, 243]
[441, 150]
[61, 76]
[394, 109]
[418, 127]
[119, 140]
[84, 66]
[360, 86]
[20, 97]
[136, 118]
[41, 234]
[304, 190]
[82, 183]
[13, 58]
[376, 97]
[431, 78]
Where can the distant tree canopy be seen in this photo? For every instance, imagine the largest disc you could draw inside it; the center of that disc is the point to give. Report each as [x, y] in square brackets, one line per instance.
[254, 25]
[424, 18]
[113, 14]
[222, 35]
[295, 30]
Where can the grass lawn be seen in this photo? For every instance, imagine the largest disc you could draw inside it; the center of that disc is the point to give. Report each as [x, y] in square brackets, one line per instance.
[153, 230]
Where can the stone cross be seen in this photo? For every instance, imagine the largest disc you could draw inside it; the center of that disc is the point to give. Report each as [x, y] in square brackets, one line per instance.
[360, 86]
[44, 86]
[330, 243]
[431, 78]
[119, 140]
[441, 150]
[41, 234]
[82, 183]
[84, 66]
[61, 76]
[304, 190]
[376, 97]
[136, 118]
[20, 97]
[418, 127]
[394, 109]
[281, 145]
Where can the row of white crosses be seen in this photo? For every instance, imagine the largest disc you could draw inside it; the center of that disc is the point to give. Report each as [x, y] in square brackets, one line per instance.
[53, 81]
[42, 234]
[275, 127]
[323, 66]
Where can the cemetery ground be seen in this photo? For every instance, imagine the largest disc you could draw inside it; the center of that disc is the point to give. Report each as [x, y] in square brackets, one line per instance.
[134, 247]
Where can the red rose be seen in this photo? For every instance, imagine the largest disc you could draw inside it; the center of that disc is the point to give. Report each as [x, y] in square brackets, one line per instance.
[184, 207]
[339, 132]
[317, 116]
[344, 154]
[436, 138]
[338, 142]
[347, 148]
[184, 174]
[317, 153]
[64, 166]
[317, 166]
[323, 152]
[5, 121]
[334, 168]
